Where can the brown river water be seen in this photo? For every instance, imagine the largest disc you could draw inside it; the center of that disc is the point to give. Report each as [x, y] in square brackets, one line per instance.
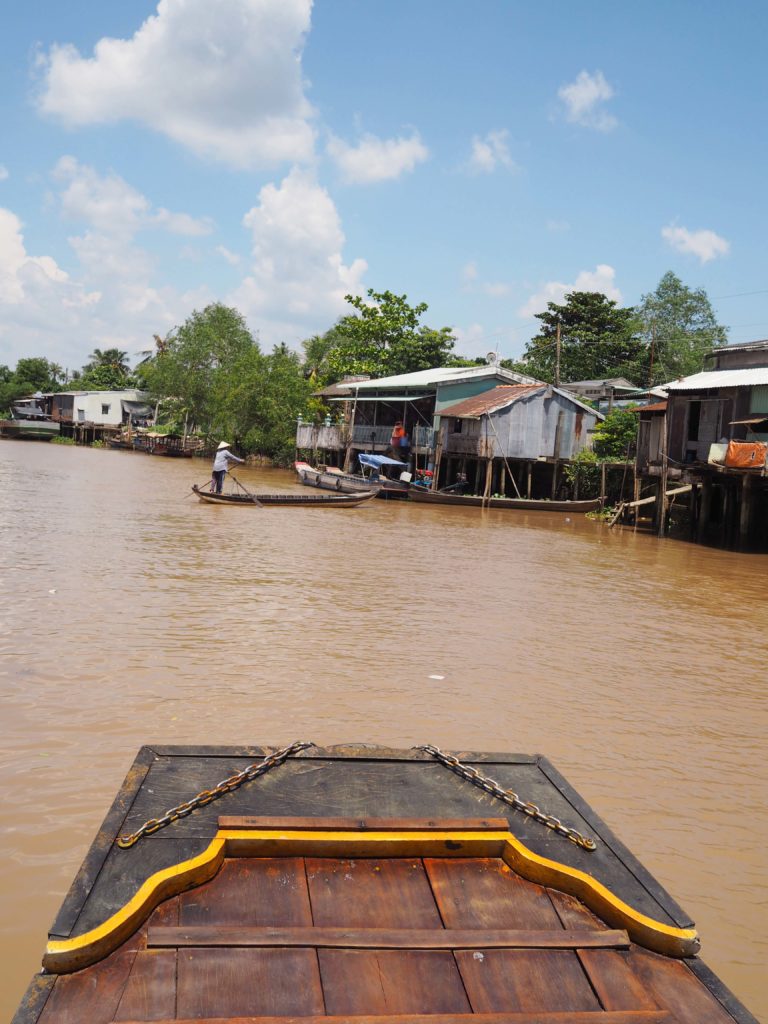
[132, 614]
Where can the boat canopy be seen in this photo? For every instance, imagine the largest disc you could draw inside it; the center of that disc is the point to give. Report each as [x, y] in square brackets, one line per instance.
[377, 461]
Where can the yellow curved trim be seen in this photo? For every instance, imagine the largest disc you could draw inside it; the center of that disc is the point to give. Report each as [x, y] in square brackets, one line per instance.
[65, 955]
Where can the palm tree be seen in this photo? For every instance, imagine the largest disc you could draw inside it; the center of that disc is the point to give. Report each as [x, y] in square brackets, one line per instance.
[111, 357]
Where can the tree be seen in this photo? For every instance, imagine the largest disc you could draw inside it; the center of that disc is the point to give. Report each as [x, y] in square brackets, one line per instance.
[680, 324]
[31, 375]
[204, 365]
[615, 436]
[111, 357]
[385, 337]
[598, 339]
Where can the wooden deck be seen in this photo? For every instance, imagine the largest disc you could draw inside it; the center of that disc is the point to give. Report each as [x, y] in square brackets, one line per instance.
[363, 939]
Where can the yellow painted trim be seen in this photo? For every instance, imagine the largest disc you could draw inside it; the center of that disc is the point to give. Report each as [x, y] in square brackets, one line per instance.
[65, 955]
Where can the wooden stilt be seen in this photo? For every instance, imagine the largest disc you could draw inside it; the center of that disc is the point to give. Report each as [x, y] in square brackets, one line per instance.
[745, 516]
[530, 476]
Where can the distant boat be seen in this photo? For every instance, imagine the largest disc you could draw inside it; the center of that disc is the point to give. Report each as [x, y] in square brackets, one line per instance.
[29, 429]
[246, 500]
[330, 478]
[426, 497]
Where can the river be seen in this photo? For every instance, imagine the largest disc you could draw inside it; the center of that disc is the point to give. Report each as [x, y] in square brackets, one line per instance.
[131, 613]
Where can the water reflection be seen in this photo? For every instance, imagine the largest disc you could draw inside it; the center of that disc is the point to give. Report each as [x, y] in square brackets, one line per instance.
[130, 614]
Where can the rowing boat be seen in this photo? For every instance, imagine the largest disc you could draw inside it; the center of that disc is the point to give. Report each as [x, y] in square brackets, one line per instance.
[330, 478]
[248, 500]
[426, 497]
[365, 885]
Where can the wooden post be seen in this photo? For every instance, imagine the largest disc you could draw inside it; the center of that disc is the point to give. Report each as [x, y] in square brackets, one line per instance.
[556, 453]
[503, 481]
[488, 476]
[662, 503]
[745, 518]
[478, 468]
[603, 495]
[530, 478]
[705, 509]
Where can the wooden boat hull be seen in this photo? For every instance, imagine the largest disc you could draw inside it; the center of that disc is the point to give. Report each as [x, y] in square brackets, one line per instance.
[285, 500]
[425, 497]
[349, 483]
[433, 907]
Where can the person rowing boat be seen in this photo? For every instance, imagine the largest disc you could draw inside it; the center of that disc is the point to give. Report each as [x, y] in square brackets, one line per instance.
[224, 459]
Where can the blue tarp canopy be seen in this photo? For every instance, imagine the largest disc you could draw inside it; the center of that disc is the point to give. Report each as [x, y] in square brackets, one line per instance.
[377, 461]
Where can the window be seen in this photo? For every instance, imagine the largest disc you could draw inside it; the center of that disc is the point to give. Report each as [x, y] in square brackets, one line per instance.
[694, 415]
[456, 429]
[104, 409]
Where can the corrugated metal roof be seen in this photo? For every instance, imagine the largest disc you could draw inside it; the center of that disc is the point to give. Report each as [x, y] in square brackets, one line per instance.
[441, 375]
[721, 379]
[655, 407]
[489, 401]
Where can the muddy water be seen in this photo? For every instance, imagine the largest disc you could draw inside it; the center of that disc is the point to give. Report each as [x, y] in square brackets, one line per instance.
[130, 614]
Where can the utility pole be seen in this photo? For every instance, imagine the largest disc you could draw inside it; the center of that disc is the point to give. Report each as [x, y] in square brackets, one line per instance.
[653, 346]
[557, 357]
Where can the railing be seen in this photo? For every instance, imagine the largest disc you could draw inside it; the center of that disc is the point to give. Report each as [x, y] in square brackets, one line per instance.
[461, 444]
[336, 436]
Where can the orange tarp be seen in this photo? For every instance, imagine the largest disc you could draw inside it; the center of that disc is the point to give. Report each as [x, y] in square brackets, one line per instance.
[746, 454]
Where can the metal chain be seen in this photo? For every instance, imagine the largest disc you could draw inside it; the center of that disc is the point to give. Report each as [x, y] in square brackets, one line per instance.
[206, 796]
[509, 797]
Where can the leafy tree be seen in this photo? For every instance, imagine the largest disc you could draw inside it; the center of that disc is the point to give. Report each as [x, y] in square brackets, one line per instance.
[280, 393]
[385, 337]
[680, 324]
[31, 375]
[615, 436]
[105, 378]
[317, 350]
[111, 357]
[598, 339]
[202, 364]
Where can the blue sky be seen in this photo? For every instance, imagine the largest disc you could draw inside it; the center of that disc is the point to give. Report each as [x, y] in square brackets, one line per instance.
[276, 154]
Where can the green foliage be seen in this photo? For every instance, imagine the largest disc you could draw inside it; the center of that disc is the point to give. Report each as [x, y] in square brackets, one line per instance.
[584, 471]
[98, 444]
[615, 436]
[31, 375]
[62, 440]
[598, 339]
[385, 338]
[681, 324]
[105, 378]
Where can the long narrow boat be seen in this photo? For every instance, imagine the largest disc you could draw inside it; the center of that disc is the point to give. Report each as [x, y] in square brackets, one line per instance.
[365, 885]
[247, 500]
[426, 497]
[329, 478]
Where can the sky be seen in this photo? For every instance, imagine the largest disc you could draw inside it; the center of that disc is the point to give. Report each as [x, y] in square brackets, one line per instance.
[276, 155]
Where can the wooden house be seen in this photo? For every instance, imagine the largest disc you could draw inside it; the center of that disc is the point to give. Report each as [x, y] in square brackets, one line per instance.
[512, 440]
[369, 409]
[713, 435]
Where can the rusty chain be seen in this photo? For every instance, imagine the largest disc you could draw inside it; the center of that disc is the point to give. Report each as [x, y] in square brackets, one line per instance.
[508, 796]
[206, 796]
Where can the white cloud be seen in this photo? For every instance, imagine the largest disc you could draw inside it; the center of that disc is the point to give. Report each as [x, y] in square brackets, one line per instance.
[583, 99]
[20, 272]
[4, 174]
[374, 159]
[108, 203]
[223, 79]
[298, 278]
[558, 226]
[704, 244]
[491, 152]
[231, 257]
[471, 281]
[469, 273]
[601, 279]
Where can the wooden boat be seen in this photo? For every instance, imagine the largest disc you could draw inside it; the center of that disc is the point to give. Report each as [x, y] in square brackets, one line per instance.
[427, 497]
[434, 897]
[329, 478]
[246, 500]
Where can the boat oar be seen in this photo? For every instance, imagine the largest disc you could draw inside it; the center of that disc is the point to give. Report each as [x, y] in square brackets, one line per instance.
[253, 497]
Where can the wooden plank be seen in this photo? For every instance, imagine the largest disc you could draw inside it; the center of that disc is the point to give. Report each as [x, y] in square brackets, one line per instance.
[616, 984]
[34, 999]
[92, 995]
[344, 752]
[676, 988]
[233, 822]
[391, 982]
[531, 981]
[251, 891]
[371, 893]
[476, 892]
[641, 1017]
[383, 938]
[150, 993]
[248, 982]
